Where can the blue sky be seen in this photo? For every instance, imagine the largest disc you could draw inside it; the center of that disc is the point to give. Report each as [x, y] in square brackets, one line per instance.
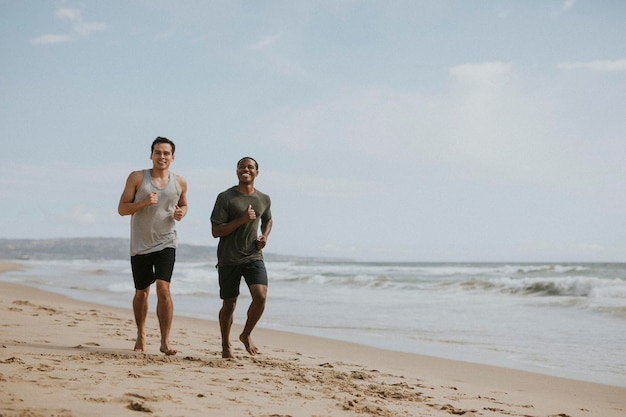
[385, 130]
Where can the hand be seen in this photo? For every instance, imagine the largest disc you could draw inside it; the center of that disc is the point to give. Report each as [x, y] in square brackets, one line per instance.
[248, 215]
[178, 213]
[151, 199]
[261, 241]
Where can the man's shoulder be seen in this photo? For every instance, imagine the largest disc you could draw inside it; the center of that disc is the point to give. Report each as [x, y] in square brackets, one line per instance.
[179, 179]
[261, 194]
[229, 191]
[137, 176]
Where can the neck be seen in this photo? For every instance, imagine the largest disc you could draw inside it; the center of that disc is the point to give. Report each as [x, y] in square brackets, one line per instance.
[245, 188]
[159, 173]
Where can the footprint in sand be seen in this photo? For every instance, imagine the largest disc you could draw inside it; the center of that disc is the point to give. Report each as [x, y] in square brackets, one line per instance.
[86, 344]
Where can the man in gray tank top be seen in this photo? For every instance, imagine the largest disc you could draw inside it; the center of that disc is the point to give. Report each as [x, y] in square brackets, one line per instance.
[236, 218]
[154, 198]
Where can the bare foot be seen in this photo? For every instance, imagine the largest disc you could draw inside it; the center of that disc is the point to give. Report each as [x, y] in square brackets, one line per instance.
[167, 350]
[140, 344]
[227, 353]
[247, 342]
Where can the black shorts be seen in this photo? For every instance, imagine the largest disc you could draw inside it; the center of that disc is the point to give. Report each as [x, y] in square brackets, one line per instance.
[230, 277]
[152, 266]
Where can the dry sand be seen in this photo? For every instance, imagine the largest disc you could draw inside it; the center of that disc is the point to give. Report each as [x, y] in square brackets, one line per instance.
[61, 357]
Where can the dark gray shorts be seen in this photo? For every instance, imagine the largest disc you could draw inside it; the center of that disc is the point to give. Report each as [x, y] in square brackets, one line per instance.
[230, 277]
[152, 266]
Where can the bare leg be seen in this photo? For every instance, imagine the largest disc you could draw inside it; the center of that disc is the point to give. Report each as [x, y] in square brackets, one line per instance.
[255, 311]
[165, 313]
[226, 321]
[140, 308]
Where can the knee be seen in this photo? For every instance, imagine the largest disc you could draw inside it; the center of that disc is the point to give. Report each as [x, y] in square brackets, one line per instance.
[162, 288]
[142, 295]
[259, 298]
[228, 305]
[164, 297]
[259, 301]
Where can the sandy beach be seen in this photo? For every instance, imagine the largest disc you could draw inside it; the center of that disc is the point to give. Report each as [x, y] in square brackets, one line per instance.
[61, 357]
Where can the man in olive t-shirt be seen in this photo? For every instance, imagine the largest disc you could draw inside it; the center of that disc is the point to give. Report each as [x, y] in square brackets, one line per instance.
[235, 220]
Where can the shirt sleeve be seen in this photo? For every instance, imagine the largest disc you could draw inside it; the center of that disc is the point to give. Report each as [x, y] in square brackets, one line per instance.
[220, 212]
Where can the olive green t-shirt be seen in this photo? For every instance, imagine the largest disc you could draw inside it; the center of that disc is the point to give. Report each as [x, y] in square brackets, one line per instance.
[239, 247]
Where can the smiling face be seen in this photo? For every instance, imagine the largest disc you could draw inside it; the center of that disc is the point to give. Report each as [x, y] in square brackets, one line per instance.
[162, 155]
[247, 171]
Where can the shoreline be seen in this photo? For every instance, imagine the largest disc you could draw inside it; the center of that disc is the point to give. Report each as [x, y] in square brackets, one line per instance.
[442, 335]
[73, 358]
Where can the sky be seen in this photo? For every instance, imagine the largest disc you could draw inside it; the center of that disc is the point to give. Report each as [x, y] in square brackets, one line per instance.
[417, 131]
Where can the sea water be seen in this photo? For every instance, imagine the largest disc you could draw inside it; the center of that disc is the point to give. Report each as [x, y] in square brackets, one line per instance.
[558, 319]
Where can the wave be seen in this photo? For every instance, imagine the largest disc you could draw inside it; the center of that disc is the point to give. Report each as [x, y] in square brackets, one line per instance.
[413, 272]
[617, 311]
[584, 280]
[555, 286]
[355, 281]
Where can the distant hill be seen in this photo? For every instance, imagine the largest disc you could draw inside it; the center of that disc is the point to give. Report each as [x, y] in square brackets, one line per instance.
[103, 248]
[88, 248]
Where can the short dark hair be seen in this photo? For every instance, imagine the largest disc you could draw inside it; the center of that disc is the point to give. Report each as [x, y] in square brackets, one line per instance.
[248, 157]
[161, 139]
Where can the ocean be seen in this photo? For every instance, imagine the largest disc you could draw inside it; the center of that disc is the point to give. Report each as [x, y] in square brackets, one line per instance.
[565, 319]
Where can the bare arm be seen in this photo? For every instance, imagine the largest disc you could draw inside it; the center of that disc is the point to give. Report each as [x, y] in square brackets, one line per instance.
[126, 205]
[266, 228]
[181, 207]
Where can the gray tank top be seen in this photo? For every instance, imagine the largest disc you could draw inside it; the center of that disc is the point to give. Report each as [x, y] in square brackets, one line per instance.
[153, 228]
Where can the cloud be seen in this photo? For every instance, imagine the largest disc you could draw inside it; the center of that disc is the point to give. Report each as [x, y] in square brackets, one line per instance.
[566, 6]
[86, 28]
[80, 28]
[493, 120]
[266, 42]
[65, 13]
[50, 39]
[600, 66]
[389, 125]
[484, 71]
[266, 58]
[81, 215]
[488, 121]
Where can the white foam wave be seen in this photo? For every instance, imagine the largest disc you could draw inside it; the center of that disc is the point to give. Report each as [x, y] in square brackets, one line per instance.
[559, 286]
